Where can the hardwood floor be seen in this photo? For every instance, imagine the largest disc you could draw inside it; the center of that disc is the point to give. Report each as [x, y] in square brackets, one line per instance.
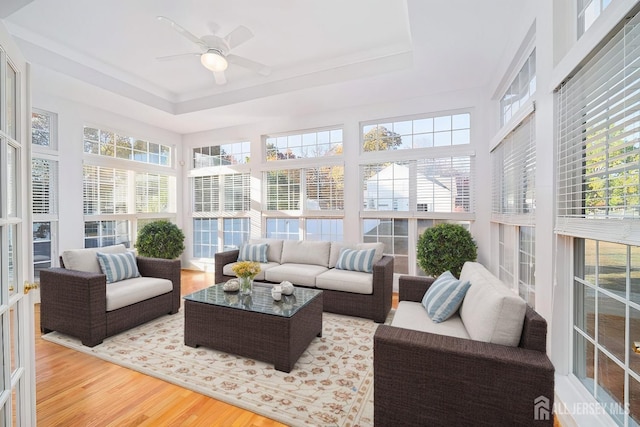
[75, 389]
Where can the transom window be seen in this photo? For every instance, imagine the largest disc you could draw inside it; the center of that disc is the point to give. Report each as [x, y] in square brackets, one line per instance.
[588, 12]
[426, 132]
[234, 153]
[520, 91]
[310, 144]
[111, 144]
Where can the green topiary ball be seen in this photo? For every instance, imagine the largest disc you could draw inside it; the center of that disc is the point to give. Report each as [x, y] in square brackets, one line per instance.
[445, 247]
[160, 239]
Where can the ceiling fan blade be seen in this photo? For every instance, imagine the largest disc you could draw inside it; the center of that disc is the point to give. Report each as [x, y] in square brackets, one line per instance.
[238, 36]
[220, 78]
[259, 68]
[178, 56]
[182, 31]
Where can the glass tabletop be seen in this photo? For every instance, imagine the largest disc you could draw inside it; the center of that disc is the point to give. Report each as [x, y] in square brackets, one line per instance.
[259, 300]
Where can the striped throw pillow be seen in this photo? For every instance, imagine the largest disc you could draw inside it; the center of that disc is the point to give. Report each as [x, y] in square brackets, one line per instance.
[356, 260]
[444, 297]
[118, 266]
[255, 252]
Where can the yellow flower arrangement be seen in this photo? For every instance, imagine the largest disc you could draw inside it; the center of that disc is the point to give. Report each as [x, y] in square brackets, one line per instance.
[246, 269]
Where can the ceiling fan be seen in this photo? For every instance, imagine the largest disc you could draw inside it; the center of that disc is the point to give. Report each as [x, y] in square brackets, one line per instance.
[214, 51]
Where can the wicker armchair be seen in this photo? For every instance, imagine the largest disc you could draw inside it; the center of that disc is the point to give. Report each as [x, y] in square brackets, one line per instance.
[74, 302]
[423, 379]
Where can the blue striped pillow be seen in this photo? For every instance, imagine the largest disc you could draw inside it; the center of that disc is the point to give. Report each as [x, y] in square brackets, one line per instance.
[255, 252]
[444, 297]
[356, 260]
[118, 266]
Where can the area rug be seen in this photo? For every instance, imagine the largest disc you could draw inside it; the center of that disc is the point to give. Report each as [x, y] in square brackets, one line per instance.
[330, 385]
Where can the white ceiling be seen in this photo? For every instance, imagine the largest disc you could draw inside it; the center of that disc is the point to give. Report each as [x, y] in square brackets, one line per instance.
[324, 55]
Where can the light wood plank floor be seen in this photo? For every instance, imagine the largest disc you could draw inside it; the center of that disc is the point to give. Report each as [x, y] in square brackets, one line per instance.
[75, 389]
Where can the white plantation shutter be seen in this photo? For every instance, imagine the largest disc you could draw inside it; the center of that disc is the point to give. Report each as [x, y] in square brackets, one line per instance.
[598, 179]
[513, 179]
[44, 181]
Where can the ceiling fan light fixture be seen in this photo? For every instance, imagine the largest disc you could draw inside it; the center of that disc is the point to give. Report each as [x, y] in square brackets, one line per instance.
[214, 60]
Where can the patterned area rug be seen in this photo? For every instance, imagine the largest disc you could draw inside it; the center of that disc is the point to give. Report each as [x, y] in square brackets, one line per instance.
[330, 385]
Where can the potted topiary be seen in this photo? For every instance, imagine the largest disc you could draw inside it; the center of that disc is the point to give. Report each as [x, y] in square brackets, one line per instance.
[160, 239]
[445, 247]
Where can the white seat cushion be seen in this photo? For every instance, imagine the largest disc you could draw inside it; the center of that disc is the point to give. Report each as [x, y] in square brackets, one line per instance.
[412, 315]
[86, 259]
[490, 311]
[345, 280]
[130, 291]
[228, 271]
[298, 274]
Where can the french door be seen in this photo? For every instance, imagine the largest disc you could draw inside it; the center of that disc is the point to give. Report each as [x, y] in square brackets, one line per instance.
[17, 380]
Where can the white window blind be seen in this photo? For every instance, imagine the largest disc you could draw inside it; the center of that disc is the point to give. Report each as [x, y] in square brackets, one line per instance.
[44, 181]
[105, 190]
[152, 193]
[324, 188]
[442, 184]
[237, 192]
[283, 189]
[513, 180]
[598, 154]
[206, 193]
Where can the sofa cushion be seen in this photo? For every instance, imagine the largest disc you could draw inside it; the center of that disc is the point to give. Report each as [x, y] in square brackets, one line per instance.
[306, 252]
[356, 260]
[118, 266]
[490, 311]
[86, 259]
[274, 250]
[412, 315]
[336, 247]
[227, 270]
[298, 274]
[130, 291]
[347, 281]
[444, 297]
[253, 252]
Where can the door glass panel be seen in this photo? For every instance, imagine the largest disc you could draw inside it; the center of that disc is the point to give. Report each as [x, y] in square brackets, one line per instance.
[12, 187]
[13, 330]
[11, 101]
[12, 260]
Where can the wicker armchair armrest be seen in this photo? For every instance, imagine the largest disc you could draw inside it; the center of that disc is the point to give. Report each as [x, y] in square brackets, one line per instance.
[413, 288]
[428, 379]
[221, 259]
[163, 269]
[74, 301]
[382, 288]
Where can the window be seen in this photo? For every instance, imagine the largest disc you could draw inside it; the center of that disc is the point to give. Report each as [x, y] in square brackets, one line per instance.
[106, 190]
[106, 233]
[44, 181]
[386, 186]
[521, 89]
[44, 129]
[598, 153]
[234, 153]
[237, 189]
[152, 192]
[394, 233]
[321, 143]
[324, 188]
[111, 144]
[236, 232]
[423, 132]
[588, 11]
[283, 189]
[205, 237]
[283, 228]
[327, 229]
[527, 265]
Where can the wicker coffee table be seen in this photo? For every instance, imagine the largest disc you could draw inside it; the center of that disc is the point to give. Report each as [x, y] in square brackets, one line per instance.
[254, 325]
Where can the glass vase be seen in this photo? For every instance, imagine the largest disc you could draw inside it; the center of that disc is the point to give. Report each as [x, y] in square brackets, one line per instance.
[246, 285]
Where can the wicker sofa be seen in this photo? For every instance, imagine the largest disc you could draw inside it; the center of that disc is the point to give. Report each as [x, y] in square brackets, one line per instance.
[77, 300]
[312, 264]
[442, 378]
